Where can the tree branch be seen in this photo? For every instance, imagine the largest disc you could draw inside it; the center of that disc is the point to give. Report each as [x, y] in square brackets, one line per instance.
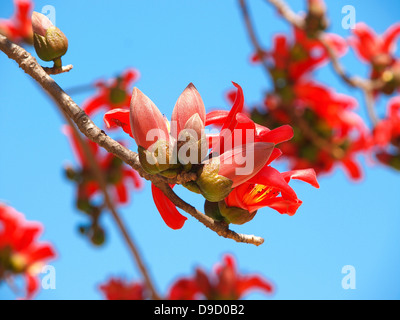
[56, 70]
[29, 64]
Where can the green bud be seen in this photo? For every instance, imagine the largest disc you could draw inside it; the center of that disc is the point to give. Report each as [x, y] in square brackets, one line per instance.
[158, 159]
[211, 209]
[212, 186]
[235, 215]
[52, 46]
[192, 186]
[98, 236]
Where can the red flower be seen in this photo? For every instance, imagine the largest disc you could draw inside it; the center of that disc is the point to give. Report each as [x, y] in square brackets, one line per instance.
[389, 129]
[120, 177]
[238, 135]
[225, 283]
[112, 94]
[293, 60]
[270, 188]
[20, 251]
[238, 129]
[374, 49]
[19, 27]
[117, 289]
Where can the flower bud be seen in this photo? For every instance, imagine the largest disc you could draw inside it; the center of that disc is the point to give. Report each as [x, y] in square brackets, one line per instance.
[212, 186]
[235, 215]
[147, 122]
[158, 159]
[211, 209]
[192, 186]
[196, 125]
[98, 236]
[49, 41]
[188, 105]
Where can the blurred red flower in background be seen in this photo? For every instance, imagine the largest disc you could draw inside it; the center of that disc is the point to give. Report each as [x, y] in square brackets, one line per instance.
[20, 251]
[115, 93]
[19, 27]
[225, 283]
[117, 289]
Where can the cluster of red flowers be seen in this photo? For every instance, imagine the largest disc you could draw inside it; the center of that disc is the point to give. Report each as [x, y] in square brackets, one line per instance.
[19, 27]
[378, 53]
[230, 196]
[20, 251]
[120, 178]
[327, 130]
[225, 283]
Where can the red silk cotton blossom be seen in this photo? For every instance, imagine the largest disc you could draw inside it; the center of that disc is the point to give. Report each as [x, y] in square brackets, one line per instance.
[113, 93]
[226, 283]
[20, 251]
[238, 135]
[117, 289]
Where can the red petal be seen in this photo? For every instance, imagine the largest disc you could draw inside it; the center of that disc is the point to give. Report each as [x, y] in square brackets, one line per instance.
[271, 177]
[118, 118]
[129, 76]
[167, 209]
[249, 283]
[94, 104]
[42, 253]
[389, 38]
[236, 108]
[365, 42]
[183, 289]
[352, 168]
[280, 204]
[216, 117]
[278, 135]
[29, 234]
[32, 285]
[122, 192]
[306, 175]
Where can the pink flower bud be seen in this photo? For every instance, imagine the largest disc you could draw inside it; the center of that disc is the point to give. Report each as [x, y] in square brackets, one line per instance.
[188, 104]
[147, 122]
[196, 125]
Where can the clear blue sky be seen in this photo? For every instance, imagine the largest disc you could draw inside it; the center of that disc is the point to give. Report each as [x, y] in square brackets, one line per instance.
[173, 43]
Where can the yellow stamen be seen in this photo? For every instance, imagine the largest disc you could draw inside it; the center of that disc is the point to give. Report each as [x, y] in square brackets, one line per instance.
[258, 193]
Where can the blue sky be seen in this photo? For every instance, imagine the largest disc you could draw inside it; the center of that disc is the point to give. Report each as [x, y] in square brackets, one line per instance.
[173, 43]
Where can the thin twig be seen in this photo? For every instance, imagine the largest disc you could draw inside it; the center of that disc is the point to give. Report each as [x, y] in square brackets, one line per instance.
[29, 64]
[56, 70]
[369, 102]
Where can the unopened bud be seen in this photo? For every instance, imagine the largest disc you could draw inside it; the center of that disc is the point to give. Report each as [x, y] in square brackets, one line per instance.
[212, 186]
[235, 215]
[211, 209]
[49, 41]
